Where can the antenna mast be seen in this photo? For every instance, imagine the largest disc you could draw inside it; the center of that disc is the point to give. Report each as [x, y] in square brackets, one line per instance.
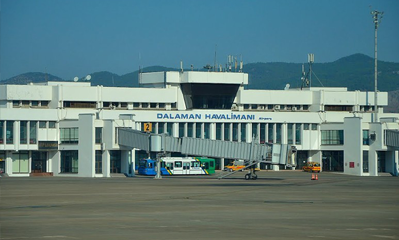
[310, 61]
[377, 20]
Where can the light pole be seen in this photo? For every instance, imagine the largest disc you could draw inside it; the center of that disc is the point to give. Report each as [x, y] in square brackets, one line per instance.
[377, 19]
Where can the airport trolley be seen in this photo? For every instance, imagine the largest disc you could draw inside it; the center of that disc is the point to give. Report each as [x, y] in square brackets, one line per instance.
[178, 166]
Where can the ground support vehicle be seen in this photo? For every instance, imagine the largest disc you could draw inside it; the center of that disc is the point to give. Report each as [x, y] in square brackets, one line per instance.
[312, 167]
[178, 166]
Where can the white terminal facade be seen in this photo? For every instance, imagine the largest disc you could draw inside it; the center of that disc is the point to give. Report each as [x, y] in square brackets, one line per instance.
[70, 128]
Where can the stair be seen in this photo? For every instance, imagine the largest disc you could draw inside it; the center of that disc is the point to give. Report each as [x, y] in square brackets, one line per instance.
[42, 174]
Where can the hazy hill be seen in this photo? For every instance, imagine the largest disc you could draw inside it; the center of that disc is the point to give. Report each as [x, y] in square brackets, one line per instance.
[31, 77]
[356, 72]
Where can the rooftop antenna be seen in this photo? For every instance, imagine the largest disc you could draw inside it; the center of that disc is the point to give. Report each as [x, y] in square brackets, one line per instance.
[214, 63]
[241, 64]
[181, 66]
[377, 20]
[230, 60]
[303, 78]
[235, 64]
[310, 61]
[139, 77]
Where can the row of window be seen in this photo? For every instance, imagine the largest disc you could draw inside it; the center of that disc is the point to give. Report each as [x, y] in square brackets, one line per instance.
[70, 161]
[116, 105]
[146, 106]
[266, 132]
[271, 107]
[27, 131]
[27, 104]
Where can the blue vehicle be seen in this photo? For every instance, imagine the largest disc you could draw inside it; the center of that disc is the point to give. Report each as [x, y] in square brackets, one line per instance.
[147, 167]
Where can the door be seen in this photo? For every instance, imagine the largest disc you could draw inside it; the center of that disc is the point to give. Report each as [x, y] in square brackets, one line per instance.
[178, 169]
[39, 162]
[115, 161]
[186, 167]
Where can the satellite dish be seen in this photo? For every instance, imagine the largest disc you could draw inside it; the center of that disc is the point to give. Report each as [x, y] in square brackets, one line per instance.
[88, 77]
[287, 86]
[75, 79]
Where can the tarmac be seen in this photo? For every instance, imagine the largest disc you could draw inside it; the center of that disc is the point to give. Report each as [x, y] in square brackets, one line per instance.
[278, 205]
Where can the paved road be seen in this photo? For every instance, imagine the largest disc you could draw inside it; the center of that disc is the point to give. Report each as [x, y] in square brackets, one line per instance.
[279, 205]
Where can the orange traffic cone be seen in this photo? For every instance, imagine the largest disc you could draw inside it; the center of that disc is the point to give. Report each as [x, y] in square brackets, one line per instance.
[317, 178]
[313, 178]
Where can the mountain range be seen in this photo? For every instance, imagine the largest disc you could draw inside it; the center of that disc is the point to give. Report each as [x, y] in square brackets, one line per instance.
[356, 72]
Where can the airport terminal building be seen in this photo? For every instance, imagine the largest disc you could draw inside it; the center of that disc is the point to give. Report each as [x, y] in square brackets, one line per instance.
[71, 128]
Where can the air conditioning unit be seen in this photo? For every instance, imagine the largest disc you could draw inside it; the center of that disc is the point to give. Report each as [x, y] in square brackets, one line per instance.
[294, 109]
[276, 107]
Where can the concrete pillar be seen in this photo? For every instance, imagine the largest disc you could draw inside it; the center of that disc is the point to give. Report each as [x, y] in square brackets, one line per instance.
[106, 164]
[396, 163]
[221, 163]
[353, 154]
[375, 145]
[373, 162]
[55, 163]
[86, 153]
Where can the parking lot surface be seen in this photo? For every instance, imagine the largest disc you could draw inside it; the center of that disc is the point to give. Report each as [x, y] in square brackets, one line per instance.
[279, 205]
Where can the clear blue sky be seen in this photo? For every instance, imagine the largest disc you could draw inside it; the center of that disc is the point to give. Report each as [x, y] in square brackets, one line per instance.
[70, 38]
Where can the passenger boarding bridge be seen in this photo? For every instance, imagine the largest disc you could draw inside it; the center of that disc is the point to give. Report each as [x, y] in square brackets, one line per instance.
[252, 153]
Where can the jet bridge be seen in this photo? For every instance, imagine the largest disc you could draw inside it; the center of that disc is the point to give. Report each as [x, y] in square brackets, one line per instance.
[252, 153]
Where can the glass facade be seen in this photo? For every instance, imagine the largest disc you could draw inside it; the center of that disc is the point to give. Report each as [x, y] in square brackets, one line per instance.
[270, 133]
[70, 135]
[333, 161]
[198, 130]
[290, 135]
[262, 134]
[99, 161]
[207, 130]
[298, 139]
[278, 132]
[243, 132]
[23, 132]
[20, 162]
[332, 137]
[169, 128]
[235, 132]
[69, 161]
[227, 131]
[255, 131]
[365, 161]
[218, 131]
[10, 132]
[39, 161]
[1, 132]
[161, 127]
[32, 132]
[366, 137]
[115, 161]
[42, 124]
[98, 135]
[181, 129]
[190, 129]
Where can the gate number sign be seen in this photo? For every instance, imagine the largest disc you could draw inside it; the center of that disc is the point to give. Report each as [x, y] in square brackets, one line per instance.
[147, 127]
